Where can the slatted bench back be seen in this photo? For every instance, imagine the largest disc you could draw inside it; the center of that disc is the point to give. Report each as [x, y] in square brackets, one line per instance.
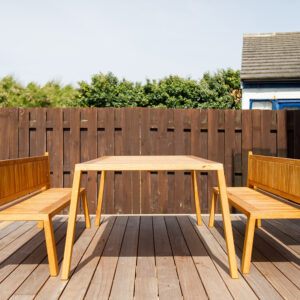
[21, 176]
[279, 176]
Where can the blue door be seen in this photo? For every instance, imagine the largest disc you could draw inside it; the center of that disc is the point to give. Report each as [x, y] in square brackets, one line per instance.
[289, 104]
[276, 104]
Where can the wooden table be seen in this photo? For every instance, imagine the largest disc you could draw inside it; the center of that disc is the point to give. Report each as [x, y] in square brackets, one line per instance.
[149, 163]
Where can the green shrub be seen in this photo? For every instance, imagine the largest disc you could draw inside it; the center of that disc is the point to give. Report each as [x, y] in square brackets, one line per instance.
[51, 94]
[220, 90]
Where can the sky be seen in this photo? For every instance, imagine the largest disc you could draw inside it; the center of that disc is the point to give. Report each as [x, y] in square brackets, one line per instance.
[70, 41]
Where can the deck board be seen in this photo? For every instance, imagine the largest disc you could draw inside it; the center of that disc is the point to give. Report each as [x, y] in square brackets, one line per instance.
[259, 284]
[268, 268]
[102, 280]
[167, 277]
[215, 245]
[145, 279]
[150, 257]
[123, 284]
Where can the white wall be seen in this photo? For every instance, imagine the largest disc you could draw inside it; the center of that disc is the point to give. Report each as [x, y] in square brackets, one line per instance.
[268, 93]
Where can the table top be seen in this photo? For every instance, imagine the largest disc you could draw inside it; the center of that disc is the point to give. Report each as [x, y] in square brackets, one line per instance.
[149, 163]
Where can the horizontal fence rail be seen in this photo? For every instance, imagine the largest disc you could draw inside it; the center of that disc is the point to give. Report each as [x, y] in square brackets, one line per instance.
[73, 135]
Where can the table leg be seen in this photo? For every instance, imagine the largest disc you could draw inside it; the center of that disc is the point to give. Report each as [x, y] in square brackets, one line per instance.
[196, 197]
[71, 226]
[227, 224]
[85, 209]
[100, 198]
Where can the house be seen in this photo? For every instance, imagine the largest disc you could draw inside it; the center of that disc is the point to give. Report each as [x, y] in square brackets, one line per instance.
[270, 73]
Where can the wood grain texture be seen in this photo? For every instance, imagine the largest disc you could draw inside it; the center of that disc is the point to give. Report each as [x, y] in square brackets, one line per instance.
[274, 269]
[71, 135]
[214, 285]
[124, 279]
[142, 163]
[276, 175]
[256, 280]
[101, 283]
[20, 177]
[145, 280]
[149, 162]
[190, 282]
[167, 277]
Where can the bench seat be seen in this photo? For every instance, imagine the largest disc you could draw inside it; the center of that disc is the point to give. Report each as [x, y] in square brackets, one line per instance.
[47, 203]
[250, 201]
[25, 195]
[272, 192]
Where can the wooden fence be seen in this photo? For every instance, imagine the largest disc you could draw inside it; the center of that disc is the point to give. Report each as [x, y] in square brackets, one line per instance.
[76, 135]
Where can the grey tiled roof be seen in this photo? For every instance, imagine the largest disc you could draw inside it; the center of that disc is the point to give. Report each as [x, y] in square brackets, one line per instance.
[271, 56]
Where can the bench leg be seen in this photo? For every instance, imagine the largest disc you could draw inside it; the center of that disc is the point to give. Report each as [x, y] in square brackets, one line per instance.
[248, 244]
[212, 209]
[86, 210]
[258, 223]
[51, 248]
[100, 198]
[196, 196]
[40, 224]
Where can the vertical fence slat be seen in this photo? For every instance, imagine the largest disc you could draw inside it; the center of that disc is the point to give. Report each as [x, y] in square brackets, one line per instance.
[229, 145]
[66, 148]
[179, 150]
[204, 153]
[265, 127]
[187, 196]
[12, 123]
[154, 131]
[237, 151]
[4, 127]
[23, 132]
[213, 147]
[40, 131]
[196, 150]
[105, 146]
[55, 142]
[146, 203]
[281, 133]
[80, 125]
[162, 121]
[297, 133]
[256, 132]
[246, 141]
[221, 147]
[171, 150]
[132, 145]
[91, 117]
[121, 198]
[32, 132]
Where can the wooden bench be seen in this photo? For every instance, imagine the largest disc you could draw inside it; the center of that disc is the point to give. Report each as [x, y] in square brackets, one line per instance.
[25, 195]
[274, 176]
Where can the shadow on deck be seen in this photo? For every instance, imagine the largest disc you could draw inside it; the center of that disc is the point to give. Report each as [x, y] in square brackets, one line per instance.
[150, 257]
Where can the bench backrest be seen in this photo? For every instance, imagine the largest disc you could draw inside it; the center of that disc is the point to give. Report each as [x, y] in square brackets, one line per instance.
[277, 175]
[21, 176]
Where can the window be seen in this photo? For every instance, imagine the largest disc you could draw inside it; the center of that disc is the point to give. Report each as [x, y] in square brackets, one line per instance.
[261, 104]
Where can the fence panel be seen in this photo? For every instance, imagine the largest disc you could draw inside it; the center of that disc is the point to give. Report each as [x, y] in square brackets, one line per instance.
[73, 135]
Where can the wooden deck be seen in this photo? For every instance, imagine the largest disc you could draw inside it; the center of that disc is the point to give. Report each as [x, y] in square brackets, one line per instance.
[150, 257]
